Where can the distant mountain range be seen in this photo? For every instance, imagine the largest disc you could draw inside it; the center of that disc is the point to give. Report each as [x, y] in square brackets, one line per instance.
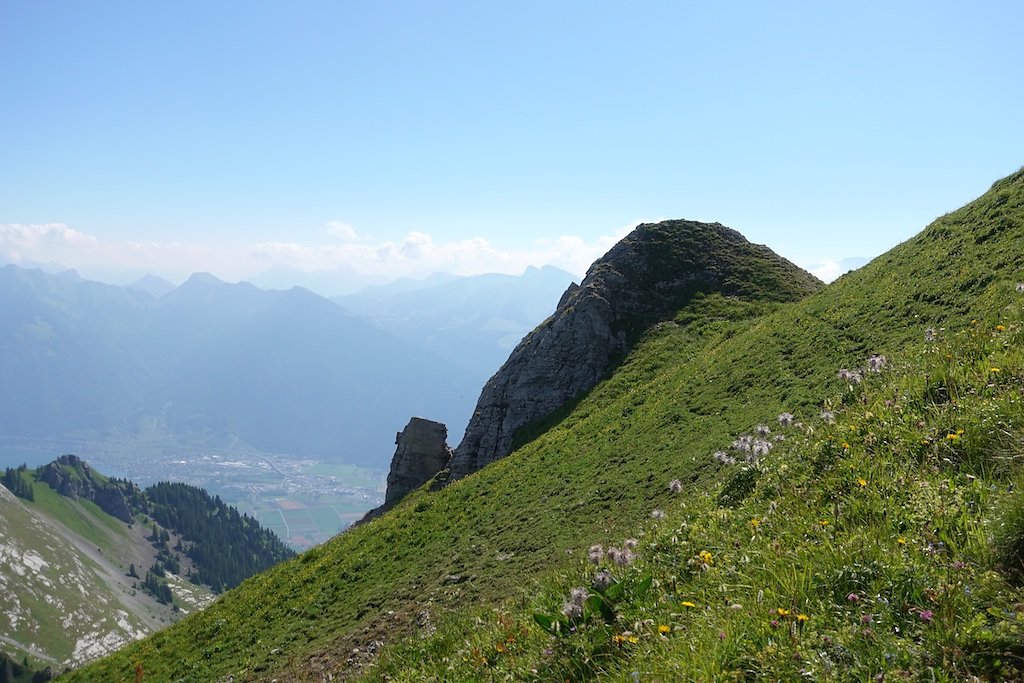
[472, 322]
[211, 365]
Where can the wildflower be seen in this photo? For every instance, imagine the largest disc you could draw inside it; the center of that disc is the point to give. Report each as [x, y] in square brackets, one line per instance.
[735, 606]
[927, 615]
[786, 419]
[1020, 286]
[625, 558]
[754, 522]
[621, 557]
[901, 540]
[846, 446]
[828, 417]
[783, 612]
[761, 447]
[862, 482]
[780, 437]
[877, 362]
[853, 597]
[866, 619]
[705, 557]
[1000, 328]
[572, 610]
[675, 486]
[631, 543]
[657, 514]
[579, 595]
[851, 376]
[802, 618]
[952, 436]
[724, 458]
[823, 522]
[595, 553]
[721, 635]
[930, 334]
[994, 370]
[664, 629]
[602, 580]
[743, 444]
[763, 430]
[775, 623]
[687, 603]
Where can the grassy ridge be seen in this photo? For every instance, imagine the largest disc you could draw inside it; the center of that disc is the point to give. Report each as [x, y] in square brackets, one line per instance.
[884, 542]
[688, 389]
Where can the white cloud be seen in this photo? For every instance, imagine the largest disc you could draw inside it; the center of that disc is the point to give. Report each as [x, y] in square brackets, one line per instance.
[361, 259]
[341, 230]
[827, 271]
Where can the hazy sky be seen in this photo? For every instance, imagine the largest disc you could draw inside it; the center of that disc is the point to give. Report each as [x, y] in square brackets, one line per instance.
[379, 139]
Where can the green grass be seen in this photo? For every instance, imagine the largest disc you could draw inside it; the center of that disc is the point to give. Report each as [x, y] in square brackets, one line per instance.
[84, 518]
[864, 548]
[594, 473]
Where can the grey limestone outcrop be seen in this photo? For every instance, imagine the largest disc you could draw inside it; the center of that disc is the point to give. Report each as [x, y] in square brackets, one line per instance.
[642, 280]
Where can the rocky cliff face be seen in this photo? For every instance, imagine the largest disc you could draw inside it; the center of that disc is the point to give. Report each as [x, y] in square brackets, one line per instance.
[71, 476]
[422, 451]
[642, 280]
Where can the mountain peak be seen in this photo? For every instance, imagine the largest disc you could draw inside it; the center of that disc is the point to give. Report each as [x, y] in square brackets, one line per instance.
[644, 279]
[204, 278]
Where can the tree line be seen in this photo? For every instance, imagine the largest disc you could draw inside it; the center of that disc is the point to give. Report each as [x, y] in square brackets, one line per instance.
[19, 484]
[226, 547]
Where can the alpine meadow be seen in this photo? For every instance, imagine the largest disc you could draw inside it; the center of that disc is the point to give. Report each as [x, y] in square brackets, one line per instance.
[824, 485]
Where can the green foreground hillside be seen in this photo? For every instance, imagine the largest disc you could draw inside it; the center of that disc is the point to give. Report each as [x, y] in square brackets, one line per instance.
[879, 539]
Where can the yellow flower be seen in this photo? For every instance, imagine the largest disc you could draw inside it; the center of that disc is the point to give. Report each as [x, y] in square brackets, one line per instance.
[952, 436]
[634, 639]
[705, 557]
[901, 540]
[687, 603]
[823, 522]
[1000, 328]
[862, 482]
[802, 617]
[664, 628]
[754, 522]
[994, 370]
[783, 612]
[846, 446]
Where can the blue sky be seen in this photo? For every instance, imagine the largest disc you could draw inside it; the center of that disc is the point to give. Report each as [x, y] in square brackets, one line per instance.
[358, 142]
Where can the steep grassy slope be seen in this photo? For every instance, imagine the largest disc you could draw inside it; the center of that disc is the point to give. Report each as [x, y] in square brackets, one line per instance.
[883, 540]
[64, 602]
[688, 389]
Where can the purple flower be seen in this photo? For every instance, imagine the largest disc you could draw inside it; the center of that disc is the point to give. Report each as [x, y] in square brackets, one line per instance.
[675, 486]
[602, 580]
[877, 363]
[786, 419]
[595, 554]
[927, 615]
[853, 597]
[657, 514]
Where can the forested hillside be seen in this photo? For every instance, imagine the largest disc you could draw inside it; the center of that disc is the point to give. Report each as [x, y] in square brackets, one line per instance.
[225, 546]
